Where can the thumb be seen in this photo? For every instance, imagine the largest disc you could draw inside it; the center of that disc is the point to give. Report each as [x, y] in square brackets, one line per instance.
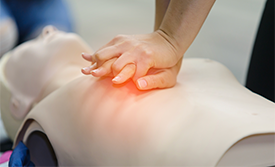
[163, 79]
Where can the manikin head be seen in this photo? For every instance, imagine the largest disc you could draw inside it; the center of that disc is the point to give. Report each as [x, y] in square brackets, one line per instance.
[32, 66]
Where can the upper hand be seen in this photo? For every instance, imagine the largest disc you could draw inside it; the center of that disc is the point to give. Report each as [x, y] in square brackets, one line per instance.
[147, 51]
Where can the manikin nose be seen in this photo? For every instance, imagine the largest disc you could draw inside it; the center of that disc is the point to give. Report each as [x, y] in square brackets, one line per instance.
[48, 29]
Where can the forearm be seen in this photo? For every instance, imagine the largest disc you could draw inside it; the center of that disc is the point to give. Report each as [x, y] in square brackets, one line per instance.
[160, 10]
[182, 22]
[175, 29]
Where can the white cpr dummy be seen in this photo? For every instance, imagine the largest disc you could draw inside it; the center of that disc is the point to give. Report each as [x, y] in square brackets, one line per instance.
[26, 73]
[207, 119]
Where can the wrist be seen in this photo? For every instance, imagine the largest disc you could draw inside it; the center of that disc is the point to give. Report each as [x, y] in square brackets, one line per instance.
[175, 45]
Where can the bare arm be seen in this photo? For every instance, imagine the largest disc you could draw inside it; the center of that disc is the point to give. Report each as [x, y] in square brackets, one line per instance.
[160, 10]
[183, 21]
[177, 23]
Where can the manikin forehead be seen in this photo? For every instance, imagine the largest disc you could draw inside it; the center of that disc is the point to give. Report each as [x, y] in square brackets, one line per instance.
[48, 44]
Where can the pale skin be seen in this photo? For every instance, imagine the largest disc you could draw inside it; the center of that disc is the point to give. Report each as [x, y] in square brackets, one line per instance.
[152, 60]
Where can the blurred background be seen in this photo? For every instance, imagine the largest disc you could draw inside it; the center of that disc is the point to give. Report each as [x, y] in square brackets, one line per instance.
[227, 35]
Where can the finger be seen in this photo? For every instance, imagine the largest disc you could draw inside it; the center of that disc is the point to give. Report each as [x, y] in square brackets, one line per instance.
[105, 69]
[164, 79]
[87, 70]
[115, 40]
[87, 56]
[105, 54]
[122, 61]
[141, 70]
[127, 72]
[130, 58]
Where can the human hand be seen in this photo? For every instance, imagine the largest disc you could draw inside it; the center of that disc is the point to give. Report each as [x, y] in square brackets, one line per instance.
[155, 78]
[155, 50]
[159, 78]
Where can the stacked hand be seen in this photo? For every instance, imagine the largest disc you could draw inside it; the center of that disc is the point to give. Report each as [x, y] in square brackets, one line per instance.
[151, 60]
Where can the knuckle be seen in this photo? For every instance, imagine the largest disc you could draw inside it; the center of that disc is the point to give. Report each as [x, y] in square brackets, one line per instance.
[161, 81]
[147, 57]
[116, 46]
[148, 53]
[132, 68]
[139, 48]
[97, 56]
[119, 36]
[106, 65]
[151, 81]
[150, 59]
[128, 42]
[137, 45]
[115, 67]
[128, 54]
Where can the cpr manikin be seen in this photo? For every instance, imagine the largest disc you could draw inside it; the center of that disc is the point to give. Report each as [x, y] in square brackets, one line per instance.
[207, 119]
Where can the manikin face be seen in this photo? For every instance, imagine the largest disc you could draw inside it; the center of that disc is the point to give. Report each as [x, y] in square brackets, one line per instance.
[48, 44]
[36, 60]
[35, 63]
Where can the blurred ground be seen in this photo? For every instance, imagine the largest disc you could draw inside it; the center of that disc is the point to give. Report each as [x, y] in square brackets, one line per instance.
[227, 35]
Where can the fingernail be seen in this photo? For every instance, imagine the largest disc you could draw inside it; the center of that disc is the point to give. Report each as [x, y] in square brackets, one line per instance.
[84, 54]
[142, 83]
[95, 71]
[89, 68]
[86, 68]
[117, 78]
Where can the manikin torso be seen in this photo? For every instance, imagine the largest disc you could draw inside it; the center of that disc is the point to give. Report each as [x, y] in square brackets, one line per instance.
[91, 121]
[207, 119]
